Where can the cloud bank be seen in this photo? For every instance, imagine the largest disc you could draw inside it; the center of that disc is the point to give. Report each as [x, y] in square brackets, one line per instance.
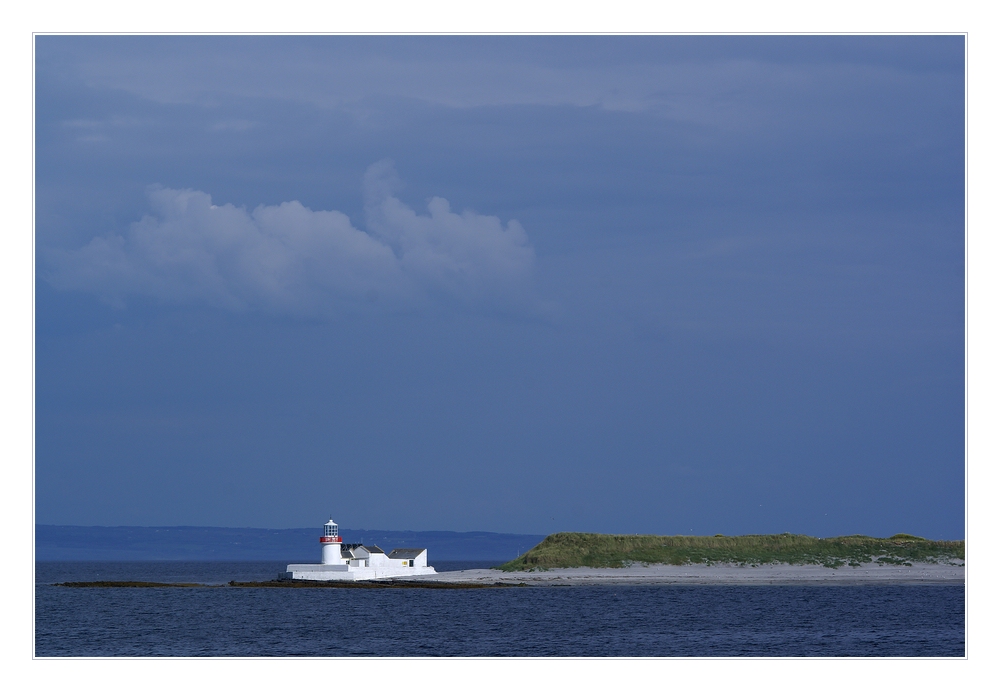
[732, 83]
[289, 259]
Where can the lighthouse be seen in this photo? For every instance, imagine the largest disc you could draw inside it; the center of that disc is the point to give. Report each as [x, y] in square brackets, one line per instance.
[355, 562]
[331, 541]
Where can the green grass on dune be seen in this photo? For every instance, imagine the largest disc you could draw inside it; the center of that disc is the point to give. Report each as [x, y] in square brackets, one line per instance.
[605, 550]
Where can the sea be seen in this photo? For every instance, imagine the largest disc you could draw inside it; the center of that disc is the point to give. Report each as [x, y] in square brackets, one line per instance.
[572, 621]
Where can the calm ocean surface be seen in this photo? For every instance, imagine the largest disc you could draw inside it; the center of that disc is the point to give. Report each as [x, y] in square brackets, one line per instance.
[543, 621]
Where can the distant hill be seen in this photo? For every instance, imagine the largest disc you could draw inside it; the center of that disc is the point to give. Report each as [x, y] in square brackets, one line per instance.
[605, 550]
[205, 543]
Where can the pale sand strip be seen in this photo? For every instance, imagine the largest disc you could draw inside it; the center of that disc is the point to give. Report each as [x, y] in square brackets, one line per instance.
[919, 573]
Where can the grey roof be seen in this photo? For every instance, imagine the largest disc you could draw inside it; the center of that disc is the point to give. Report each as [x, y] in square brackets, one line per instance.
[405, 553]
[373, 549]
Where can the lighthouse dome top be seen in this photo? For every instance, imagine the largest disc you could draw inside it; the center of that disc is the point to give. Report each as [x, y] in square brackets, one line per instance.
[330, 528]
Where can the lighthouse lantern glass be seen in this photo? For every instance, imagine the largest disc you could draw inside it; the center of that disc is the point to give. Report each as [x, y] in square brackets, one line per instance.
[330, 529]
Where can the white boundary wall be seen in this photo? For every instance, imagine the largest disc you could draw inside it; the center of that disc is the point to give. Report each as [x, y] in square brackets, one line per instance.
[379, 567]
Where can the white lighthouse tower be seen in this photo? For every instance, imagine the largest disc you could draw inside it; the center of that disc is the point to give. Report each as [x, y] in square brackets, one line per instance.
[330, 540]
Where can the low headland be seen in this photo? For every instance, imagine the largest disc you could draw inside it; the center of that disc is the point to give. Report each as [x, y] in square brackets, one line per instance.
[562, 550]
[569, 559]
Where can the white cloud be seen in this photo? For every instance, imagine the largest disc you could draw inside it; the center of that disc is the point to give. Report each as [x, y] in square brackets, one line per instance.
[293, 260]
[236, 125]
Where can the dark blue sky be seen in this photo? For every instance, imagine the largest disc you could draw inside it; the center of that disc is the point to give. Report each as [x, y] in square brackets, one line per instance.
[678, 284]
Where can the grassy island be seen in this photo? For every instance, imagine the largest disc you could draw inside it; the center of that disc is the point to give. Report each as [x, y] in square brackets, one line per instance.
[605, 550]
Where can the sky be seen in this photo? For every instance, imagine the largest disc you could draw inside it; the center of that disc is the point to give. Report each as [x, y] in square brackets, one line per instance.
[631, 284]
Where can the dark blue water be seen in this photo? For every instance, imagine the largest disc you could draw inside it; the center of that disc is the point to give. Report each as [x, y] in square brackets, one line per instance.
[530, 621]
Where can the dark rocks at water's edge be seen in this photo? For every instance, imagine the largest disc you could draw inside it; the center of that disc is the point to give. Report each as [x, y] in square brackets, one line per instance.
[219, 544]
[131, 585]
[288, 584]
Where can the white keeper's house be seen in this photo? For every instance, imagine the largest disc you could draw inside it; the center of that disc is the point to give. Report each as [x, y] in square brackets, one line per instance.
[355, 562]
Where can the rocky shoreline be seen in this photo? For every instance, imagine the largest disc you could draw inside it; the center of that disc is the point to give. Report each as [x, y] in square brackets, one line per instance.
[700, 574]
[694, 574]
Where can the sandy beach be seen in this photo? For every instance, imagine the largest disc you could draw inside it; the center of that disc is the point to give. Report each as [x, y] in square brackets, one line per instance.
[919, 573]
